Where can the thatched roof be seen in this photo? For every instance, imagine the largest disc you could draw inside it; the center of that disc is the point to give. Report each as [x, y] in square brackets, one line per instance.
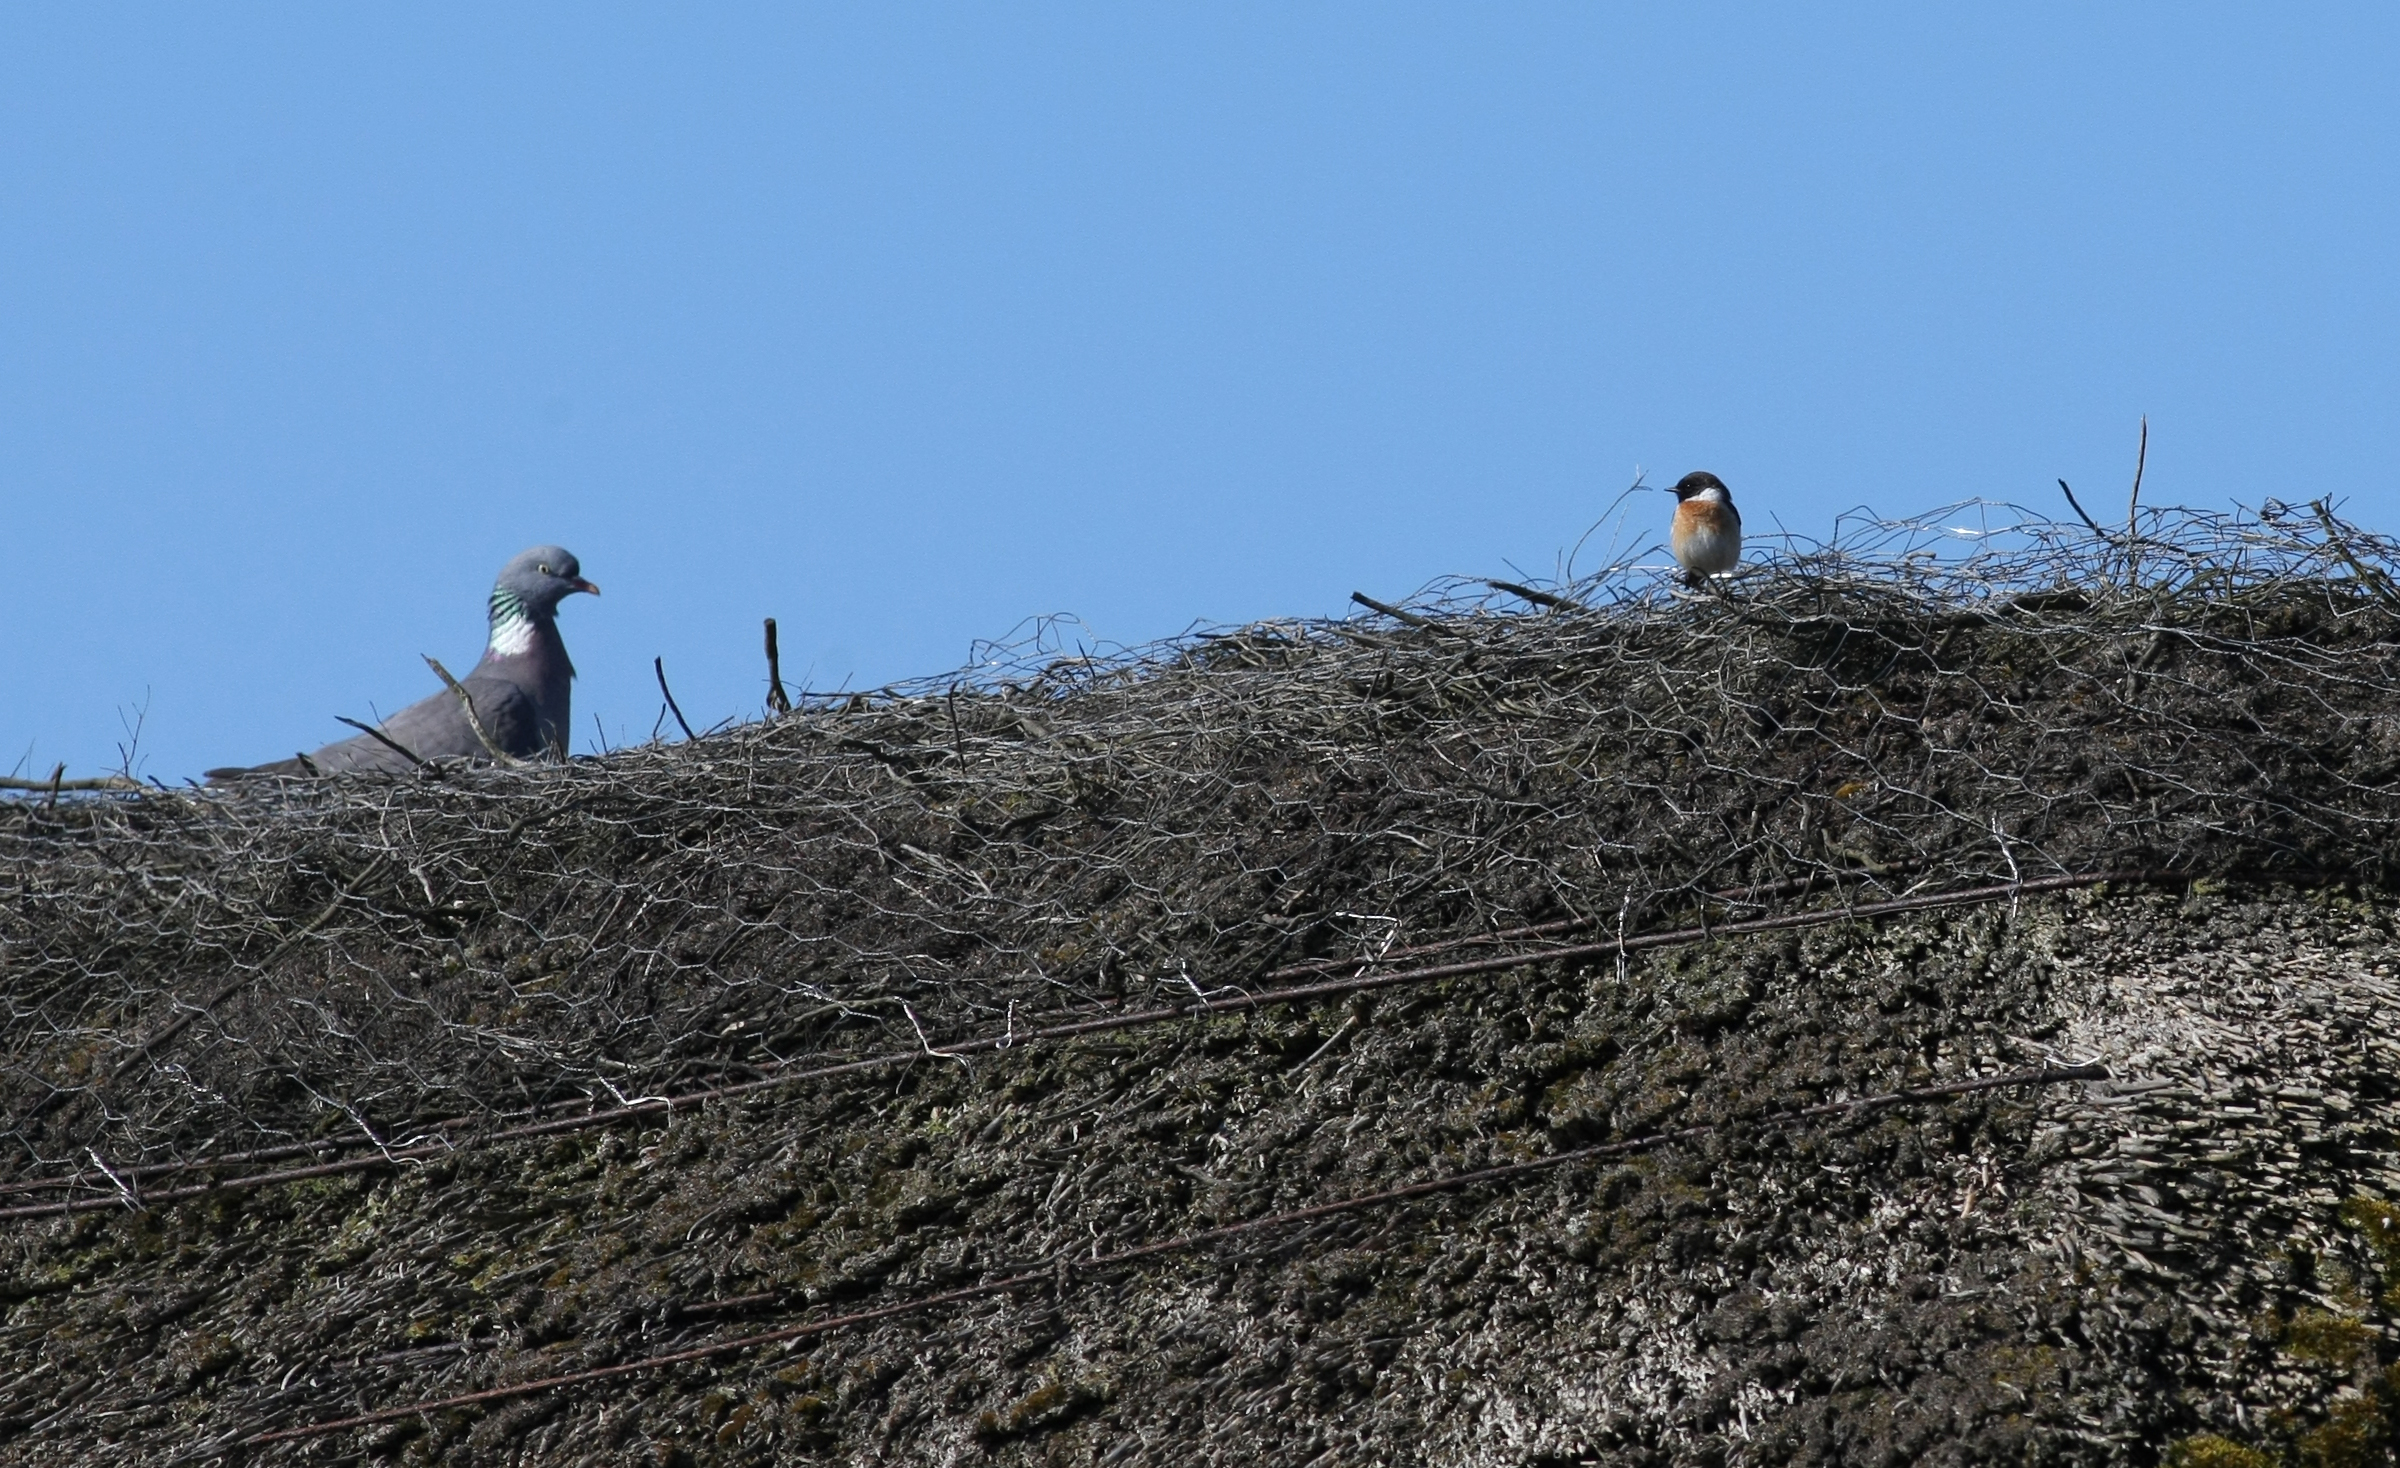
[1597, 1024]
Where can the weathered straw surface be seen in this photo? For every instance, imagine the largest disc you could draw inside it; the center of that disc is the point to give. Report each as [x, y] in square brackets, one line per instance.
[333, 973]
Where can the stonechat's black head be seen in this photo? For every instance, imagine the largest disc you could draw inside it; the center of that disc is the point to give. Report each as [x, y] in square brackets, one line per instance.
[1692, 483]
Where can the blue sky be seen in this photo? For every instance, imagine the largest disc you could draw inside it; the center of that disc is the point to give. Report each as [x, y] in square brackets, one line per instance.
[904, 323]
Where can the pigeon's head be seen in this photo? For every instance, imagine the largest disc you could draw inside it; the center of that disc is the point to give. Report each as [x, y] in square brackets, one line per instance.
[539, 578]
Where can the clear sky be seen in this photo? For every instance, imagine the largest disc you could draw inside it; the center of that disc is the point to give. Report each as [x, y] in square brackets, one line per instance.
[903, 323]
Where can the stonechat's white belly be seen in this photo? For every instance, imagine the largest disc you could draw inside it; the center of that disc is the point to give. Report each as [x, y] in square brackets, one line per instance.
[1708, 549]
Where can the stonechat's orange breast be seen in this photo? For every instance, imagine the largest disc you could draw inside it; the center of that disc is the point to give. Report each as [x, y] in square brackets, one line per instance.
[1707, 537]
[1699, 517]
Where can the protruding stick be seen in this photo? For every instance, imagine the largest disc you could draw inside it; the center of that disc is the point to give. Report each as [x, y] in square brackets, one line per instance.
[1538, 598]
[386, 740]
[777, 700]
[660, 665]
[1398, 614]
[2078, 504]
[2141, 457]
[467, 706]
[2377, 584]
[2133, 506]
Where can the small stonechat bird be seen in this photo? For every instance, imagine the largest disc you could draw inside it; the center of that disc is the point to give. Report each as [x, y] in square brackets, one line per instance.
[1707, 538]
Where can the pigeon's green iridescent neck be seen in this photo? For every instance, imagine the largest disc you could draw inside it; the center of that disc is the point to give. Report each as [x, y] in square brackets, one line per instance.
[512, 625]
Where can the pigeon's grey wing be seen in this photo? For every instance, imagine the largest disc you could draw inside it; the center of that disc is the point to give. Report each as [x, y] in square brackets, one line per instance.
[366, 752]
[361, 753]
[435, 727]
[432, 728]
[509, 714]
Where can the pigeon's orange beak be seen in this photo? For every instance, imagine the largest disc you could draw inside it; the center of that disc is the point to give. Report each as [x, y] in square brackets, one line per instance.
[582, 585]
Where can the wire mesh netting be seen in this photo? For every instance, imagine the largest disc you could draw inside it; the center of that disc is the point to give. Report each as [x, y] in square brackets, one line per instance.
[293, 968]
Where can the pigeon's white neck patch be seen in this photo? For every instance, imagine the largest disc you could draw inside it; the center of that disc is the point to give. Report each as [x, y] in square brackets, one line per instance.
[512, 626]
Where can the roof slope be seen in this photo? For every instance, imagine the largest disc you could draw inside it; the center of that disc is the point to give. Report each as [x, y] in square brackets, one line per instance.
[1435, 1040]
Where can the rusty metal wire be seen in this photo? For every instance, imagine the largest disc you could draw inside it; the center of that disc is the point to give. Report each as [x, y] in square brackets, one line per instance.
[1978, 698]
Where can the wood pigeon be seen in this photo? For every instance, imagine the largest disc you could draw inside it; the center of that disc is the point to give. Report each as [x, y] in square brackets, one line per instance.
[520, 690]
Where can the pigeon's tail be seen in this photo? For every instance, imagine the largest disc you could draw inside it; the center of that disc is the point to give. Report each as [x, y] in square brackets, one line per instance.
[231, 773]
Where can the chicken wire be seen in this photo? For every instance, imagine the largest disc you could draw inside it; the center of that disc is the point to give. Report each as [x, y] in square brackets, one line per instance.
[299, 967]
